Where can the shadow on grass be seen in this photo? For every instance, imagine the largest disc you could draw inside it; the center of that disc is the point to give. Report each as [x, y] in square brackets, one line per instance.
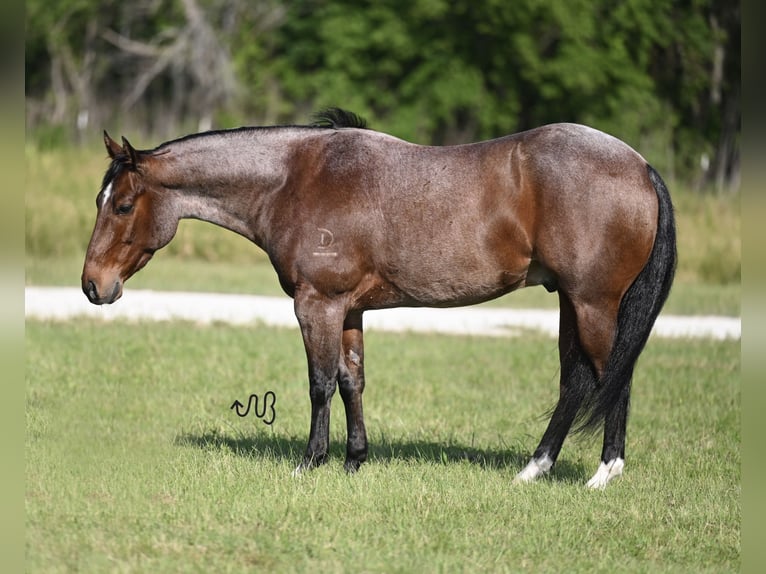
[383, 450]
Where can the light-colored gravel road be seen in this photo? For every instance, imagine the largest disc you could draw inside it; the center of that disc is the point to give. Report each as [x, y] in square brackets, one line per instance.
[63, 303]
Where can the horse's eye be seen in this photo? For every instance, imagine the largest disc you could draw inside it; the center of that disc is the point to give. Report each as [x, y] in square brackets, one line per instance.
[124, 209]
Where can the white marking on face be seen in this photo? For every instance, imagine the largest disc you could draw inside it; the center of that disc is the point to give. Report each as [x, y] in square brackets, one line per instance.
[606, 472]
[535, 468]
[107, 194]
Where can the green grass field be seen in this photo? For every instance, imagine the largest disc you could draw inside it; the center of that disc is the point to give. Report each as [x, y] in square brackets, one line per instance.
[135, 462]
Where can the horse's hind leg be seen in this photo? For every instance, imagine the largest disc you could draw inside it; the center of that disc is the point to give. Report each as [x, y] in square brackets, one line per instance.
[613, 451]
[597, 331]
[577, 379]
[351, 384]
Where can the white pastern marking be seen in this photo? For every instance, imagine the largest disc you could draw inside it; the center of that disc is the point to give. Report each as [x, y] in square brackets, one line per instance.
[107, 194]
[535, 468]
[606, 472]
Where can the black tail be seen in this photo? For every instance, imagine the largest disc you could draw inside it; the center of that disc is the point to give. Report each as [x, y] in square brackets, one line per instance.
[638, 311]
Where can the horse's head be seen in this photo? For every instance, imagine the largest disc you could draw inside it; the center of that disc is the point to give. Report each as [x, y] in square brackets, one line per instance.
[134, 219]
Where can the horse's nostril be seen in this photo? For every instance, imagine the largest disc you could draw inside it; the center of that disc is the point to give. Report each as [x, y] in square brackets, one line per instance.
[116, 291]
[92, 292]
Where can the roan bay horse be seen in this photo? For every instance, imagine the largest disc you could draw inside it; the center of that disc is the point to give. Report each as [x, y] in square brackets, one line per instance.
[353, 219]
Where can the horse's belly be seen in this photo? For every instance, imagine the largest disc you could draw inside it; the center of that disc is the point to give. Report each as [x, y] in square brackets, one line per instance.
[450, 287]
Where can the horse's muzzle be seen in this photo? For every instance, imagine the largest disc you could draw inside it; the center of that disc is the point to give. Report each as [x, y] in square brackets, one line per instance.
[92, 293]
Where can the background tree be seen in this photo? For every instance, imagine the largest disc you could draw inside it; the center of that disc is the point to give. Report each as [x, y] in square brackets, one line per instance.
[661, 74]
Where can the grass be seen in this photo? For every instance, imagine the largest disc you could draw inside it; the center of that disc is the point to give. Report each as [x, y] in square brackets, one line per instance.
[60, 211]
[135, 463]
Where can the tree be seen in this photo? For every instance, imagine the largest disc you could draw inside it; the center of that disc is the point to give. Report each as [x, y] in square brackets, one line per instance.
[660, 74]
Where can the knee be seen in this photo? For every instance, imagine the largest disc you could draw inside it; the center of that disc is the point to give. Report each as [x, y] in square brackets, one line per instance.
[322, 391]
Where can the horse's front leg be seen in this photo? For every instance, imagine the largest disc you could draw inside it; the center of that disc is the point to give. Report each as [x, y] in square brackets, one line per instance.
[321, 322]
[351, 384]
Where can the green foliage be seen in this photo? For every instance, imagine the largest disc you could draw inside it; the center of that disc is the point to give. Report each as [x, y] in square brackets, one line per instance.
[136, 463]
[430, 71]
[709, 238]
[60, 200]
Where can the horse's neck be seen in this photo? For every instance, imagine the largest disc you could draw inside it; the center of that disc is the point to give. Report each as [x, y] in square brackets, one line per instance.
[226, 179]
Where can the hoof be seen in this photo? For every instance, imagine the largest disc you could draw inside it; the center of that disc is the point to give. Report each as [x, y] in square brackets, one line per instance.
[606, 472]
[352, 465]
[533, 470]
[309, 463]
[299, 470]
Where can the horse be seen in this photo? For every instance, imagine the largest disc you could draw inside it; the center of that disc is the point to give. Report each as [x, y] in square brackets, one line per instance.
[354, 219]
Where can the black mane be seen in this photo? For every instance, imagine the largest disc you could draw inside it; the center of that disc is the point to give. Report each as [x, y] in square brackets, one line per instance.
[330, 118]
[337, 118]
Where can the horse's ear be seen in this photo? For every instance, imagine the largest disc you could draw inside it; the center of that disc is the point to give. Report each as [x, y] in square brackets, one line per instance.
[112, 147]
[130, 150]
